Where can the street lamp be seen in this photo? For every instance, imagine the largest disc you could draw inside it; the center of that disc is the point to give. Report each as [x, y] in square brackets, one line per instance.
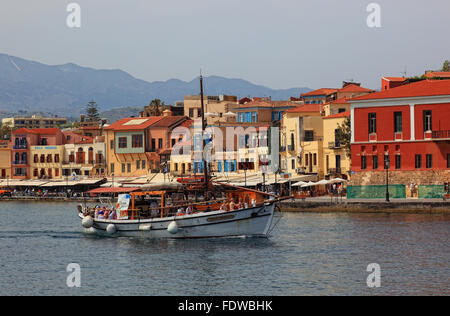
[387, 178]
[112, 175]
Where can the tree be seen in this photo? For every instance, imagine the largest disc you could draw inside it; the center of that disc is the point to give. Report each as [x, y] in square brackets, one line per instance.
[344, 135]
[156, 107]
[446, 66]
[5, 131]
[92, 112]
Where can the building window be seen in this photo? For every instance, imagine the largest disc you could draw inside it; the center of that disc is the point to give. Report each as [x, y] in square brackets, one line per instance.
[293, 163]
[191, 112]
[128, 167]
[375, 162]
[160, 143]
[372, 123]
[123, 168]
[143, 165]
[363, 162]
[427, 120]
[309, 136]
[122, 142]
[57, 158]
[398, 162]
[398, 122]
[429, 161]
[111, 144]
[112, 167]
[306, 159]
[138, 164]
[36, 158]
[315, 159]
[136, 141]
[418, 161]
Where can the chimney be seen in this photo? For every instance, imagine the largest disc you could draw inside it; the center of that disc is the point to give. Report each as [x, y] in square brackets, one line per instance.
[167, 113]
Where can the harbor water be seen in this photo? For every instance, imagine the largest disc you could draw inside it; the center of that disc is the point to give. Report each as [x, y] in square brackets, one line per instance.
[307, 254]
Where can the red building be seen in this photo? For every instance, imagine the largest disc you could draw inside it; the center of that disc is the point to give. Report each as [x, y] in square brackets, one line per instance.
[407, 127]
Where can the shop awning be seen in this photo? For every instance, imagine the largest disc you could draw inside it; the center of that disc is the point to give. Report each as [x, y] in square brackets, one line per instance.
[113, 190]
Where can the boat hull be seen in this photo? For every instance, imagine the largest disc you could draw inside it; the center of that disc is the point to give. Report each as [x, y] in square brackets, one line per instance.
[250, 222]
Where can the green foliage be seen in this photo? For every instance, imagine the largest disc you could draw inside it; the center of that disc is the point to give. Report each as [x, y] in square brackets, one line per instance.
[5, 131]
[446, 66]
[156, 107]
[92, 112]
[344, 135]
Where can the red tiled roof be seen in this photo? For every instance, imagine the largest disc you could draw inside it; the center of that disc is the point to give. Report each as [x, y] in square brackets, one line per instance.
[126, 124]
[438, 74]
[354, 88]
[343, 100]
[422, 88]
[339, 115]
[323, 91]
[256, 104]
[168, 121]
[42, 131]
[305, 108]
[396, 79]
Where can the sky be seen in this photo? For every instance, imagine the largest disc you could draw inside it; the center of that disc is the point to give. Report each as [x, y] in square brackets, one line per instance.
[276, 43]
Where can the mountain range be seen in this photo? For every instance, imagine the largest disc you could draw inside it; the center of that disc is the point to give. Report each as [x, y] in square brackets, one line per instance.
[65, 90]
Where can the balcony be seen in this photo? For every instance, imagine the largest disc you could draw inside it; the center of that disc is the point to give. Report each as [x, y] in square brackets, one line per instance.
[291, 148]
[334, 145]
[441, 134]
[335, 171]
[282, 148]
[20, 147]
[19, 162]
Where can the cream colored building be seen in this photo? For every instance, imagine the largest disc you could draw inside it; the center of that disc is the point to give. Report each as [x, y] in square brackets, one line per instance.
[217, 106]
[5, 160]
[301, 141]
[46, 162]
[336, 161]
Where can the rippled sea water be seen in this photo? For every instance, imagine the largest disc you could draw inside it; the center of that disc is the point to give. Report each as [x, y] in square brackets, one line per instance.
[308, 254]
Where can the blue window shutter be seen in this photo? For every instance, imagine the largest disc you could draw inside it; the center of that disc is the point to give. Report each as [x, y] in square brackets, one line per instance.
[219, 166]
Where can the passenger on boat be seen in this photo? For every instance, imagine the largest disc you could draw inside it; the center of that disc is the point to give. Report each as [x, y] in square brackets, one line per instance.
[254, 202]
[189, 210]
[101, 215]
[223, 207]
[180, 212]
[112, 215]
[232, 205]
[240, 204]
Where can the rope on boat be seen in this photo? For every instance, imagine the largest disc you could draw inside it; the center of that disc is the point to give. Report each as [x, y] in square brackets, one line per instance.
[278, 220]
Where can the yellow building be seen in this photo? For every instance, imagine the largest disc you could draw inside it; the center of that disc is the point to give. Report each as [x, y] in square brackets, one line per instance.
[301, 141]
[5, 160]
[215, 107]
[46, 162]
[336, 161]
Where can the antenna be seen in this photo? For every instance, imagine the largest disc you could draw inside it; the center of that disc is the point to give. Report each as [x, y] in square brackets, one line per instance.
[405, 72]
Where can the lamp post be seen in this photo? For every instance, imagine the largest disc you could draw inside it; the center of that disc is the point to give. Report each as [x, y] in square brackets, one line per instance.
[387, 178]
[112, 175]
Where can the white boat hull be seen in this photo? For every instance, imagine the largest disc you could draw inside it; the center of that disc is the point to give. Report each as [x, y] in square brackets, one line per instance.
[250, 222]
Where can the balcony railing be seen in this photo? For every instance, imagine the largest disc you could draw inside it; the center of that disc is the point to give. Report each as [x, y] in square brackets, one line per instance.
[441, 134]
[334, 145]
[291, 148]
[335, 171]
[20, 147]
[19, 162]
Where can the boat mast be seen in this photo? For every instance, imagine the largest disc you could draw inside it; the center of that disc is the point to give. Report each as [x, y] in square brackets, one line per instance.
[205, 167]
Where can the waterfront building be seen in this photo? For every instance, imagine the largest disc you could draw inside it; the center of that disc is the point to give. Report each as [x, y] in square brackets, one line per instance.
[34, 121]
[336, 157]
[138, 146]
[23, 140]
[83, 155]
[46, 161]
[402, 133]
[301, 138]
[5, 160]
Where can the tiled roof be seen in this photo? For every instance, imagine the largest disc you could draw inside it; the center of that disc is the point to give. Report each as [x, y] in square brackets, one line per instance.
[168, 121]
[42, 131]
[133, 123]
[255, 104]
[323, 91]
[396, 79]
[418, 89]
[343, 100]
[305, 108]
[339, 115]
[354, 88]
[438, 74]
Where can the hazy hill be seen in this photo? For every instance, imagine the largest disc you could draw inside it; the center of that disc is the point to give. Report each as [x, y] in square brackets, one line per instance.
[66, 89]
